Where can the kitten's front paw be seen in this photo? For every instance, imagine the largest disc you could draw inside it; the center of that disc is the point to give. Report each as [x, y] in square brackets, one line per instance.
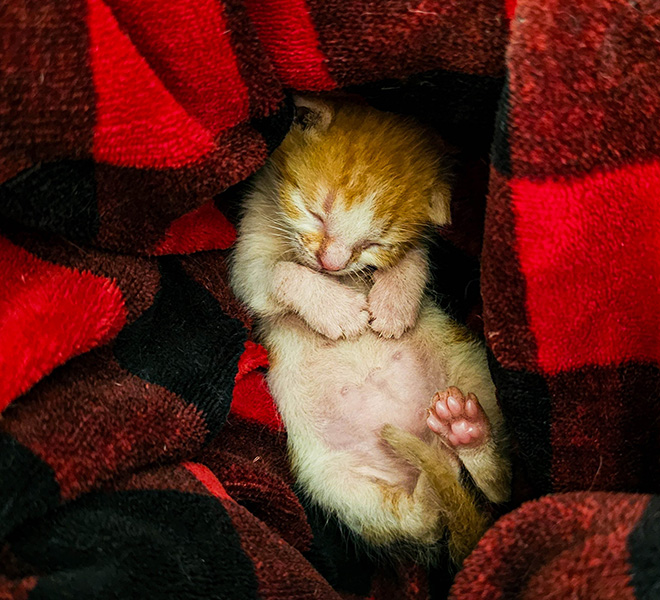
[342, 314]
[392, 312]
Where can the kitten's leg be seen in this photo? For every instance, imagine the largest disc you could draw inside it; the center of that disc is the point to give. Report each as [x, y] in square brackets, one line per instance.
[395, 297]
[332, 309]
[438, 491]
[464, 427]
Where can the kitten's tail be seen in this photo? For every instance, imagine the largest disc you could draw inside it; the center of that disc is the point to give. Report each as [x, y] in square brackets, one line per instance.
[465, 523]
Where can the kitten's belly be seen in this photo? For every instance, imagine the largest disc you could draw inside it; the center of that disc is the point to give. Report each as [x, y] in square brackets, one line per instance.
[360, 392]
[354, 387]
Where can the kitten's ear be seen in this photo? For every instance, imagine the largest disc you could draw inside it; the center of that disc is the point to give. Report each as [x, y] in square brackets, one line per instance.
[439, 207]
[312, 114]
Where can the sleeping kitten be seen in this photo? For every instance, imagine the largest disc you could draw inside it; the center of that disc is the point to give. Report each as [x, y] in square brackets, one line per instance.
[330, 259]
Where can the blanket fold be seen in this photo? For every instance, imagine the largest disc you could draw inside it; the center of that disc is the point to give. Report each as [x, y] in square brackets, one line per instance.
[584, 545]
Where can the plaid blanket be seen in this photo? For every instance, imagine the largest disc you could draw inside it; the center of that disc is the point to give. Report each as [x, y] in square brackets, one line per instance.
[140, 452]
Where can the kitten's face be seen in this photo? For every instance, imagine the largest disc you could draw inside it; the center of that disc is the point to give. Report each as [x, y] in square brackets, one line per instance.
[360, 191]
[333, 234]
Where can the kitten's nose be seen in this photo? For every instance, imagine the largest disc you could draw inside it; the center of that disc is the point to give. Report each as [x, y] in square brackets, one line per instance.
[334, 256]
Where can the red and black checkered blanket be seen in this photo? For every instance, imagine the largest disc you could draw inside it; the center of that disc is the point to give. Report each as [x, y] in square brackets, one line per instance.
[140, 453]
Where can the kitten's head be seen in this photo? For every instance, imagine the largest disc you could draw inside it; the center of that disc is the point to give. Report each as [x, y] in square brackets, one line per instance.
[358, 187]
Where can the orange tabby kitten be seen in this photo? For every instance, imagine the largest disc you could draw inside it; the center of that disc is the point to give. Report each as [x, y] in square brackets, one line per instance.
[330, 258]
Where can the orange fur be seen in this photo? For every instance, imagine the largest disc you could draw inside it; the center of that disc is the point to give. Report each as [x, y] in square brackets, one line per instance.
[364, 155]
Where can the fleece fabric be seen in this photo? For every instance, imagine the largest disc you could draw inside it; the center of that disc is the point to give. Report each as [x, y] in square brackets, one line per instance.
[141, 454]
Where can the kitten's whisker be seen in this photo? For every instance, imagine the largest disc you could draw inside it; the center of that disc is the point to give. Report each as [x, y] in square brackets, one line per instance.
[276, 228]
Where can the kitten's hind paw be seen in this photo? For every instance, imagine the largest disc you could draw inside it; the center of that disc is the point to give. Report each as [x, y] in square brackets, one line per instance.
[460, 420]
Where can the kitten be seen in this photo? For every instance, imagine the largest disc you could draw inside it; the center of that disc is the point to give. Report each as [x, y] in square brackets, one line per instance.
[330, 259]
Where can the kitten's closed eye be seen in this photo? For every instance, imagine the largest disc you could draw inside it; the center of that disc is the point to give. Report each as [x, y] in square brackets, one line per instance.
[370, 245]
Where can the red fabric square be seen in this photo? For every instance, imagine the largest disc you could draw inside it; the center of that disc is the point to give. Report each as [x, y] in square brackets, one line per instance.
[189, 45]
[49, 314]
[288, 35]
[252, 399]
[589, 250]
[205, 228]
[138, 121]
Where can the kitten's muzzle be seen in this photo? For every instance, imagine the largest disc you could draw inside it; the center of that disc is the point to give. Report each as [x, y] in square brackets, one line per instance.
[333, 255]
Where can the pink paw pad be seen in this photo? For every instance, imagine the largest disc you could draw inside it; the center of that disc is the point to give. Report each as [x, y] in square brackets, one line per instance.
[458, 419]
